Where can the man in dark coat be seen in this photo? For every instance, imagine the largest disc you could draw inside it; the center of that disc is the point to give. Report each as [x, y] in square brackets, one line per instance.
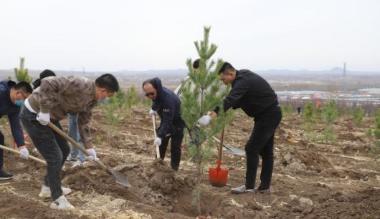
[256, 98]
[168, 106]
[12, 96]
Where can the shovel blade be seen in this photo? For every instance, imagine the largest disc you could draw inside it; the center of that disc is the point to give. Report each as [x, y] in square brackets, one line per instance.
[120, 178]
[218, 177]
[233, 150]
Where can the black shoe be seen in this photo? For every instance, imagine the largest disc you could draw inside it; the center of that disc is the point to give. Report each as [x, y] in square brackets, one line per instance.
[4, 175]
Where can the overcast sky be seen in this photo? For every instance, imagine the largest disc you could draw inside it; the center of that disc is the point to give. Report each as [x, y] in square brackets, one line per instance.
[113, 35]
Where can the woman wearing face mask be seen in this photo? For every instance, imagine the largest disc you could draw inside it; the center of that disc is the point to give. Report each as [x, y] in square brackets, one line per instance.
[12, 96]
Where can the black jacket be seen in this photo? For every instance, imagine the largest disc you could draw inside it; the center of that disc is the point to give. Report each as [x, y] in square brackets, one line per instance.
[251, 93]
[168, 106]
[11, 110]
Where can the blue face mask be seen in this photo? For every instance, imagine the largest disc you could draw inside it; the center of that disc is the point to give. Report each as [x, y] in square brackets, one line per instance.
[103, 101]
[19, 103]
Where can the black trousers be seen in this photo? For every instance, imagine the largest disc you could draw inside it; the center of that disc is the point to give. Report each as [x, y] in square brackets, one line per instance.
[51, 146]
[1, 151]
[175, 147]
[261, 143]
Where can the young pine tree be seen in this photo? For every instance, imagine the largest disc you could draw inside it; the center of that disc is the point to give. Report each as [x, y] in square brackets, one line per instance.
[200, 93]
[22, 73]
[329, 116]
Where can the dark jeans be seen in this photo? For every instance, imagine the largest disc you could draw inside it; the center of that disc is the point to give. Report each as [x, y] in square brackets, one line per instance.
[261, 143]
[52, 147]
[1, 151]
[175, 147]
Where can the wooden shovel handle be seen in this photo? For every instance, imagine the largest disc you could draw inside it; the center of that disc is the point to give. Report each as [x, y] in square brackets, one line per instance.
[155, 136]
[220, 151]
[17, 152]
[76, 144]
[68, 138]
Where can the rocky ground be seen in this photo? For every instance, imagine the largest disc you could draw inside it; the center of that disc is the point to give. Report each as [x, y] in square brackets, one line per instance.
[312, 179]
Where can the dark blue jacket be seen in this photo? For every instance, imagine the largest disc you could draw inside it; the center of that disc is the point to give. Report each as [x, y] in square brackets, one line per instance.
[168, 106]
[11, 110]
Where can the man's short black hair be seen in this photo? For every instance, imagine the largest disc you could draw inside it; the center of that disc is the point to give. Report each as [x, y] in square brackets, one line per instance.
[107, 81]
[196, 64]
[226, 66]
[23, 86]
[148, 81]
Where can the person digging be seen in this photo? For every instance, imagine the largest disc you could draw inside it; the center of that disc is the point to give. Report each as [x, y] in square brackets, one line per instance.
[75, 155]
[52, 101]
[256, 98]
[167, 105]
[12, 96]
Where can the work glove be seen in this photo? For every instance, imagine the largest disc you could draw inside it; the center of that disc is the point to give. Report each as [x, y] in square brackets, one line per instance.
[152, 112]
[43, 118]
[92, 154]
[157, 141]
[24, 152]
[204, 120]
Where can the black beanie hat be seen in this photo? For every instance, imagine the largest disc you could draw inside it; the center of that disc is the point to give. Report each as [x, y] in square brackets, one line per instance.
[46, 73]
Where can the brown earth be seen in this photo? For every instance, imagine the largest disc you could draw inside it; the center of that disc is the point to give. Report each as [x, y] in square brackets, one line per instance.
[311, 179]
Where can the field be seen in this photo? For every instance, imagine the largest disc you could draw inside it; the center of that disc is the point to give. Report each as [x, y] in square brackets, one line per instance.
[312, 178]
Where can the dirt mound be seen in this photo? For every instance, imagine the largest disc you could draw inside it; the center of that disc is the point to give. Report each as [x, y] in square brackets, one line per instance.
[165, 180]
[92, 178]
[297, 160]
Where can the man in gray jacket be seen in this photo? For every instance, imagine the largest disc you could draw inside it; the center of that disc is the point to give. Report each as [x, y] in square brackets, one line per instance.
[52, 101]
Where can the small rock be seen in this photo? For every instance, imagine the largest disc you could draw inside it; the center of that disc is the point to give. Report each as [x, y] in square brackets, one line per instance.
[297, 209]
[296, 166]
[255, 206]
[304, 202]
[323, 185]
[115, 205]
[288, 157]
[285, 205]
[232, 203]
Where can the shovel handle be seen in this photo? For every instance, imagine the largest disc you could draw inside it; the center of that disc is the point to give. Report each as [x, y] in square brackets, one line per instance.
[220, 151]
[67, 137]
[17, 152]
[76, 144]
[155, 136]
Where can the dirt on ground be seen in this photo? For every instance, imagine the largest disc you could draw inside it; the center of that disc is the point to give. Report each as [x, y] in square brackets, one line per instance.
[311, 179]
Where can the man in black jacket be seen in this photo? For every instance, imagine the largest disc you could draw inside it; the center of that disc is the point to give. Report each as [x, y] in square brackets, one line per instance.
[12, 97]
[168, 106]
[256, 98]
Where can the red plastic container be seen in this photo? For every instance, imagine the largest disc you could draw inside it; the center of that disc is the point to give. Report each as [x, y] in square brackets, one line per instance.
[218, 176]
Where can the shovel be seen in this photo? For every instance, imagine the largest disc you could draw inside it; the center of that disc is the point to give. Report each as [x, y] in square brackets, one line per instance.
[218, 176]
[231, 149]
[17, 152]
[155, 136]
[119, 177]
